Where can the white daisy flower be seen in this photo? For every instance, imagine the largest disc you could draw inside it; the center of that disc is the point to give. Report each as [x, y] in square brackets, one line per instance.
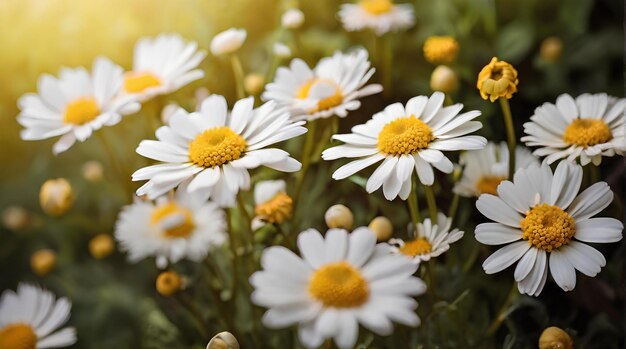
[30, 317]
[217, 148]
[340, 281]
[406, 138]
[171, 228]
[332, 88]
[75, 104]
[430, 240]
[228, 41]
[381, 16]
[162, 65]
[546, 224]
[484, 169]
[589, 127]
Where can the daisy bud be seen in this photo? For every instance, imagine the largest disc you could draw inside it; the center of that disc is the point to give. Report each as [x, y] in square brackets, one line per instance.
[56, 196]
[292, 18]
[15, 218]
[168, 111]
[253, 84]
[382, 227]
[228, 41]
[497, 79]
[93, 171]
[555, 338]
[42, 262]
[551, 49]
[101, 246]
[444, 79]
[223, 340]
[281, 50]
[339, 216]
[168, 283]
[441, 49]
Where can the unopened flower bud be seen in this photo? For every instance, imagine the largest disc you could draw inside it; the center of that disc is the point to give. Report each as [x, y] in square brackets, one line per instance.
[254, 83]
[93, 171]
[15, 218]
[555, 338]
[339, 216]
[551, 49]
[498, 79]
[56, 196]
[168, 111]
[292, 18]
[382, 227]
[281, 50]
[223, 340]
[444, 79]
[101, 246]
[43, 262]
[168, 283]
[228, 41]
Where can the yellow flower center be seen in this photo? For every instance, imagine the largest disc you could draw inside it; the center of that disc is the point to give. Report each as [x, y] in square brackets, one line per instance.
[138, 82]
[376, 7]
[81, 111]
[404, 136]
[587, 132]
[175, 221]
[489, 184]
[339, 285]
[168, 283]
[548, 227]
[275, 210]
[17, 336]
[416, 247]
[327, 92]
[440, 49]
[216, 146]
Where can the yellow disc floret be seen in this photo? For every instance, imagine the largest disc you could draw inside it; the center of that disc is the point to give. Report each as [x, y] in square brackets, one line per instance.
[587, 132]
[416, 247]
[339, 285]
[81, 111]
[18, 336]
[174, 221]
[138, 82]
[548, 227]
[376, 7]
[275, 210]
[216, 146]
[330, 101]
[441, 49]
[404, 136]
[489, 184]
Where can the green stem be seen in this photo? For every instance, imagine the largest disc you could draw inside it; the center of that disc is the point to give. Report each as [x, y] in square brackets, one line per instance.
[202, 326]
[239, 75]
[454, 205]
[510, 134]
[432, 203]
[432, 278]
[233, 249]
[414, 206]
[247, 221]
[117, 165]
[503, 313]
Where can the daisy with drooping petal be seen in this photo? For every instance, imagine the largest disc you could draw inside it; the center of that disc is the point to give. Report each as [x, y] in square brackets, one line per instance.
[430, 240]
[162, 65]
[332, 88]
[74, 105]
[171, 228]
[342, 280]
[381, 16]
[545, 224]
[586, 128]
[216, 149]
[406, 139]
[272, 204]
[485, 169]
[30, 317]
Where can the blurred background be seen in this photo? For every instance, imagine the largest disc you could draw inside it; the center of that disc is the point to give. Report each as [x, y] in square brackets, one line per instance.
[115, 304]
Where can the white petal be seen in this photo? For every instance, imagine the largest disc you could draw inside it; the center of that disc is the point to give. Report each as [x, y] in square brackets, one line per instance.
[496, 234]
[562, 270]
[505, 257]
[602, 230]
[497, 210]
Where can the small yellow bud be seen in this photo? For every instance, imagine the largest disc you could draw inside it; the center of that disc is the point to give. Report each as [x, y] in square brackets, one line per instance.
[168, 283]
[382, 227]
[56, 196]
[497, 79]
[101, 246]
[555, 338]
[254, 83]
[223, 340]
[43, 262]
[93, 171]
[441, 49]
[444, 79]
[551, 49]
[339, 216]
[15, 218]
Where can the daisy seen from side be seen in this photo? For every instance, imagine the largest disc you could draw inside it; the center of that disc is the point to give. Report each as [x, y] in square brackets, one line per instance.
[380, 16]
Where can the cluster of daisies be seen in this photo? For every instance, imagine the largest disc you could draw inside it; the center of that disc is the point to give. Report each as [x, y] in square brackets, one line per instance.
[340, 279]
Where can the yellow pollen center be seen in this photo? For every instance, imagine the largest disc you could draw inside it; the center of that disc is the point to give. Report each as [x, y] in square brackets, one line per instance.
[489, 184]
[416, 247]
[548, 227]
[339, 285]
[376, 7]
[138, 82]
[174, 221]
[81, 111]
[17, 336]
[587, 132]
[216, 146]
[275, 210]
[404, 136]
[327, 99]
